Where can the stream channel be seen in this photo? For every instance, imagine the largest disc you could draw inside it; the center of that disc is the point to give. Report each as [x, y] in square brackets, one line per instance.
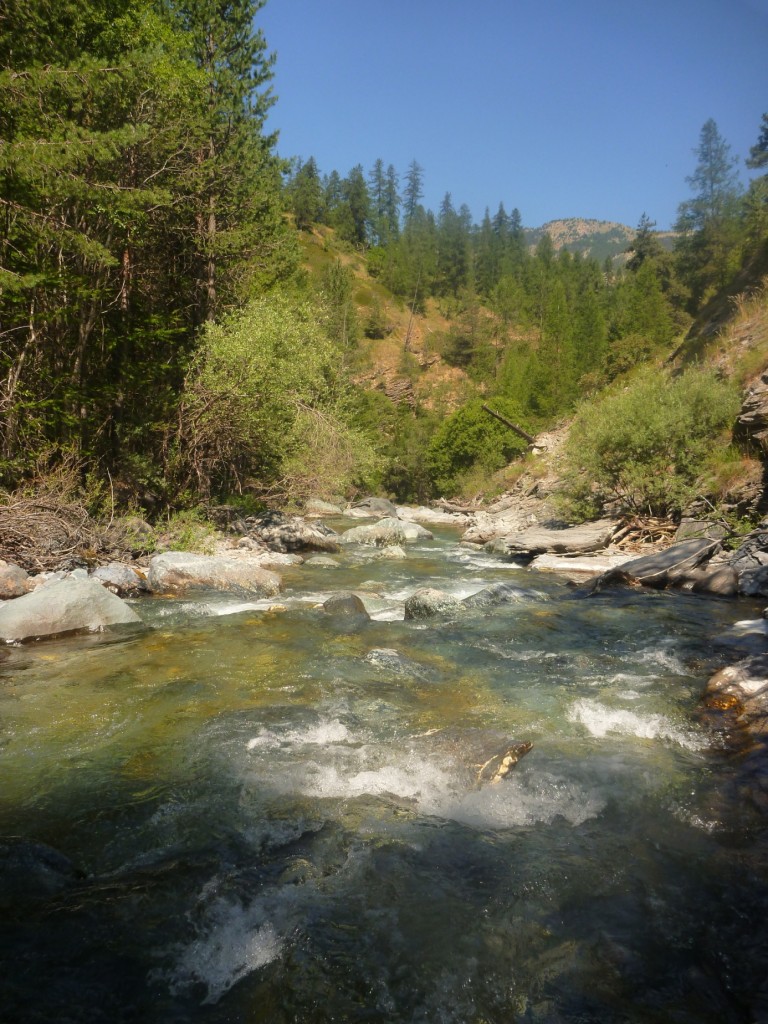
[247, 815]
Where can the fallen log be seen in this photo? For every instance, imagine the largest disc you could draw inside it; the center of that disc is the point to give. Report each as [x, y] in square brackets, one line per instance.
[508, 423]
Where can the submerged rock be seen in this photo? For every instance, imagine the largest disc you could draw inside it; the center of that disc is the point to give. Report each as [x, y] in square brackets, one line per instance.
[177, 572]
[386, 533]
[63, 607]
[427, 601]
[495, 594]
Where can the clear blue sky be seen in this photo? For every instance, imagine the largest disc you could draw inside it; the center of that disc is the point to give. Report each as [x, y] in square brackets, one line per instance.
[562, 108]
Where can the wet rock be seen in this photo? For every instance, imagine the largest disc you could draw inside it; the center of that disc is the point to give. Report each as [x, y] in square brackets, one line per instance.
[323, 562]
[32, 871]
[736, 698]
[498, 767]
[392, 552]
[750, 636]
[538, 540]
[347, 609]
[292, 534]
[14, 581]
[427, 601]
[386, 533]
[63, 607]
[178, 572]
[496, 594]
[123, 580]
[370, 508]
[577, 567]
[395, 663]
[661, 569]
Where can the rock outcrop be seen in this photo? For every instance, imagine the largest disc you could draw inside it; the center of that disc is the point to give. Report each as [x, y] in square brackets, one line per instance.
[538, 540]
[752, 421]
[63, 607]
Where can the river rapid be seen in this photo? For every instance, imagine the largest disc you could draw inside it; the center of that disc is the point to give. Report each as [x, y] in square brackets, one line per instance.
[247, 815]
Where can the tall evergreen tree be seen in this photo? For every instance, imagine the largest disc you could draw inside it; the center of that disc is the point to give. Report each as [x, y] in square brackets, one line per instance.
[413, 191]
[708, 221]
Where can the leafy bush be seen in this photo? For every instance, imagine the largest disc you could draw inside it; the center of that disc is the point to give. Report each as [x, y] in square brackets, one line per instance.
[471, 438]
[645, 446]
[264, 406]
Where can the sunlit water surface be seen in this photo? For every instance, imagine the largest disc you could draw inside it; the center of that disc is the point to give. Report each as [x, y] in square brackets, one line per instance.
[253, 815]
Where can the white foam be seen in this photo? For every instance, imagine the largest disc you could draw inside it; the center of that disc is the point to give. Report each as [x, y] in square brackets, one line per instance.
[324, 732]
[236, 941]
[525, 800]
[600, 720]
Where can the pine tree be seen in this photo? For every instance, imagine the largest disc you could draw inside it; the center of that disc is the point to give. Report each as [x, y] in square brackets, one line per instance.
[413, 192]
[708, 221]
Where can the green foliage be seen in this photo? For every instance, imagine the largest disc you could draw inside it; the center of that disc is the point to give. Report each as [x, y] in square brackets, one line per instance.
[265, 406]
[189, 530]
[643, 448]
[471, 438]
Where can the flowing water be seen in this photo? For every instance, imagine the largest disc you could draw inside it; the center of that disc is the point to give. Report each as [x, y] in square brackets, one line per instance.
[253, 815]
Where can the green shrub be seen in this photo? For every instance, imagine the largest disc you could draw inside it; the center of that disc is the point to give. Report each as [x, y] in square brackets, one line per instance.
[471, 438]
[264, 406]
[644, 447]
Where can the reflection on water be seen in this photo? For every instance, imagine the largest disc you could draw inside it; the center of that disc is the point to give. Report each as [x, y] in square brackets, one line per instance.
[247, 815]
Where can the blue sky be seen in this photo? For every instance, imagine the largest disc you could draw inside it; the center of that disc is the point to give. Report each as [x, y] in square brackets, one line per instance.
[562, 108]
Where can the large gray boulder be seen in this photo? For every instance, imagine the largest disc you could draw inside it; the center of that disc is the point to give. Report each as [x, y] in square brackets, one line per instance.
[371, 508]
[178, 572]
[572, 539]
[63, 607]
[385, 533]
[292, 533]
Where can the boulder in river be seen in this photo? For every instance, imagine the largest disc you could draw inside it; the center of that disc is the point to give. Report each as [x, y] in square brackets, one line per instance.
[347, 609]
[736, 699]
[386, 533]
[496, 594]
[292, 533]
[537, 540]
[177, 572]
[63, 607]
[371, 508]
[427, 601]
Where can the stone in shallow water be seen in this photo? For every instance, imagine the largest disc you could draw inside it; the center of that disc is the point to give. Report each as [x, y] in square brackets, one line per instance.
[427, 601]
[346, 606]
[63, 607]
[176, 572]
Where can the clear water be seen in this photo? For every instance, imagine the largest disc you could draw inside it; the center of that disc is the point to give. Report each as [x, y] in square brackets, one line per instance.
[250, 815]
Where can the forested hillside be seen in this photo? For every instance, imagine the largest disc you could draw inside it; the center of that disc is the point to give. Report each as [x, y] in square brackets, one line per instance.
[185, 317]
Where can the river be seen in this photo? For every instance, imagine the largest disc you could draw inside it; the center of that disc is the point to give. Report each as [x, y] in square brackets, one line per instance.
[249, 815]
